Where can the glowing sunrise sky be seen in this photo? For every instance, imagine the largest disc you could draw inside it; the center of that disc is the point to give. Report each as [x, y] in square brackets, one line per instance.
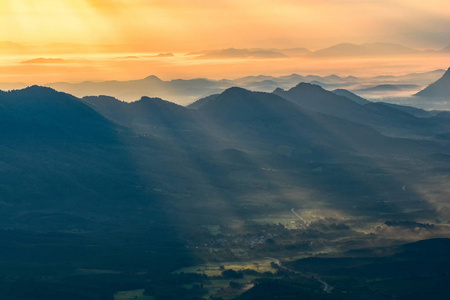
[121, 39]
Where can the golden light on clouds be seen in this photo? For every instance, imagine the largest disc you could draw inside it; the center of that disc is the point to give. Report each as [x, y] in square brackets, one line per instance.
[49, 21]
[185, 25]
[82, 28]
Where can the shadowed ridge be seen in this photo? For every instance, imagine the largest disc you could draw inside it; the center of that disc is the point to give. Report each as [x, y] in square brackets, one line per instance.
[41, 93]
[417, 112]
[145, 115]
[154, 101]
[203, 101]
[278, 90]
[314, 97]
[437, 246]
[38, 112]
[307, 87]
[438, 89]
[235, 92]
[268, 122]
[243, 104]
[355, 98]
[160, 112]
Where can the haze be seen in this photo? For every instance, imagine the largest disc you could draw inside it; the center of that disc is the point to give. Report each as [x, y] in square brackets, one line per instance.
[99, 40]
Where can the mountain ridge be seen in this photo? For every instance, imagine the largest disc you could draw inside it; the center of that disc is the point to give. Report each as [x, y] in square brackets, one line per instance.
[438, 89]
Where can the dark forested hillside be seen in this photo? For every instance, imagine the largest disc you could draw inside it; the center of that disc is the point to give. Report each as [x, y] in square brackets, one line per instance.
[123, 194]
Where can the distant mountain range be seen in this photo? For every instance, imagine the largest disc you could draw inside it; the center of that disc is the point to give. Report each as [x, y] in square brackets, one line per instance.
[389, 88]
[340, 50]
[187, 91]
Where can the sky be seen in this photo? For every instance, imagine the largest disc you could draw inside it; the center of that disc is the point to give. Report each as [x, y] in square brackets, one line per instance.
[124, 39]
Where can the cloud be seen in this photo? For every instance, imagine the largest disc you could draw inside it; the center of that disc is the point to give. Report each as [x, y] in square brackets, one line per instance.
[44, 61]
[239, 53]
[168, 54]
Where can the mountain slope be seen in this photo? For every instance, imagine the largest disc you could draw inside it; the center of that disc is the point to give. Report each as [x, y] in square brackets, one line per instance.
[387, 120]
[351, 96]
[73, 184]
[268, 121]
[42, 113]
[147, 111]
[438, 89]
[84, 200]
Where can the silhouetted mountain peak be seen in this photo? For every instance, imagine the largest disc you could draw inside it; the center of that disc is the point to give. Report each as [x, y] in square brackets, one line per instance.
[235, 94]
[238, 101]
[278, 90]
[145, 99]
[43, 113]
[101, 98]
[154, 102]
[307, 87]
[41, 95]
[236, 91]
[37, 88]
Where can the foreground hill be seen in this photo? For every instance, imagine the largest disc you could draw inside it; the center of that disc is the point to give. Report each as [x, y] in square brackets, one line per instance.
[72, 198]
[145, 115]
[118, 194]
[384, 118]
[272, 121]
[41, 113]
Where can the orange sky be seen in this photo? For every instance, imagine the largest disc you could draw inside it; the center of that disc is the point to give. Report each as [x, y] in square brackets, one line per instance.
[88, 33]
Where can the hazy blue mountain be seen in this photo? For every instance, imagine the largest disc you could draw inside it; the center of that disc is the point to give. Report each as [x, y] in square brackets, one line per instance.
[386, 119]
[351, 96]
[263, 86]
[438, 89]
[410, 110]
[421, 78]
[184, 92]
[147, 111]
[388, 88]
[203, 101]
[315, 98]
[179, 90]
